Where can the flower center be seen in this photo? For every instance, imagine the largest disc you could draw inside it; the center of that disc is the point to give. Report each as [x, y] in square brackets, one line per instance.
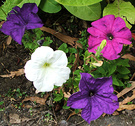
[109, 36]
[46, 65]
[91, 93]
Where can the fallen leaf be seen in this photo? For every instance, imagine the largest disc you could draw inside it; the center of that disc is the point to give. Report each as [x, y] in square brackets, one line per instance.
[129, 56]
[14, 73]
[9, 39]
[132, 77]
[128, 107]
[124, 91]
[37, 99]
[67, 39]
[127, 99]
[99, 63]
[76, 61]
[115, 113]
[67, 95]
[15, 118]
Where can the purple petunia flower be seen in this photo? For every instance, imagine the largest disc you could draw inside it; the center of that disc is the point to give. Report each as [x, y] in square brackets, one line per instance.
[21, 19]
[112, 29]
[95, 97]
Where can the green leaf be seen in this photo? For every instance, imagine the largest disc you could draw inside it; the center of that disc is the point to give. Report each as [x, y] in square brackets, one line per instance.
[78, 2]
[89, 13]
[64, 47]
[121, 9]
[9, 4]
[123, 70]
[116, 81]
[111, 69]
[58, 97]
[122, 62]
[50, 6]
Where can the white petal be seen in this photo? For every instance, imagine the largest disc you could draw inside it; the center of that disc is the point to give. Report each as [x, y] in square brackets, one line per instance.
[60, 75]
[42, 54]
[45, 84]
[31, 70]
[59, 58]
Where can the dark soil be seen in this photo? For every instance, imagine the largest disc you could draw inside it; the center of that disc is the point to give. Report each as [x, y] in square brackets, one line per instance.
[18, 113]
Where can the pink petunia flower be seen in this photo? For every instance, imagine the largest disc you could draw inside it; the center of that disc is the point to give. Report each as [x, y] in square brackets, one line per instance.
[112, 29]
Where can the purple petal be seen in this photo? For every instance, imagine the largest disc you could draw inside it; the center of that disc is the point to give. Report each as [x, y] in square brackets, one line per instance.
[12, 14]
[17, 34]
[28, 8]
[118, 24]
[33, 21]
[124, 33]
[104, 85]
[95, 32]
[109, 102]
[104, 24]
[87, 82]
[93, 43]
[78, 100]
[92, 111]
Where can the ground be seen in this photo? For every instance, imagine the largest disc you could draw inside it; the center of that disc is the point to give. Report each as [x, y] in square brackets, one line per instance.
[19, 111]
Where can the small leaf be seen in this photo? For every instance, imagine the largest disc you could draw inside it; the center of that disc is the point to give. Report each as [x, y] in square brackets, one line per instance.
[78, 2]
[123, 70]
[89, 13]
[58, 97]
[50, 6]
[63, 47]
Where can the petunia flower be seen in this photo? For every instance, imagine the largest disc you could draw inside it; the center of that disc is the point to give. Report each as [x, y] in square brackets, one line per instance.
[95, 97]
[112, 29]
[21, 19]
[47, 68]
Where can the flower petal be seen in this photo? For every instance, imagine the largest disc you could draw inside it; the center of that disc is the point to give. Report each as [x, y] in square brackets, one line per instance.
[87, 82]
[124, 33]
[109, 102]
[118, 24]
[33, 71]
[77, 100]
[17, 34]
[33, 21]
[42, 55]
[59, 59]
[96, 32]
[28, 8]
[104, 24]
[60, 75]
[93, 43]
[92, 111]
[104, 85]
[111, 50]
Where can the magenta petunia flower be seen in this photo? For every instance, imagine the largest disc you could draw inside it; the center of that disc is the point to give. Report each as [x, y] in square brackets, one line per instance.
[95, 97]
[21, 19]
[112, 29]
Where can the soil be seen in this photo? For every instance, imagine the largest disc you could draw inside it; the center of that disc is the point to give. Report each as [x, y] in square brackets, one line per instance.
[13, 90]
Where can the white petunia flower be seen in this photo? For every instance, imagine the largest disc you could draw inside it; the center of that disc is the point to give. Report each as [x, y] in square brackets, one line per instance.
[47, 68]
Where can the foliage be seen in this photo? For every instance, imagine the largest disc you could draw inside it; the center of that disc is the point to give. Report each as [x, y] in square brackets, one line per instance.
[37, 36]
[115, 68]
[50, 6]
